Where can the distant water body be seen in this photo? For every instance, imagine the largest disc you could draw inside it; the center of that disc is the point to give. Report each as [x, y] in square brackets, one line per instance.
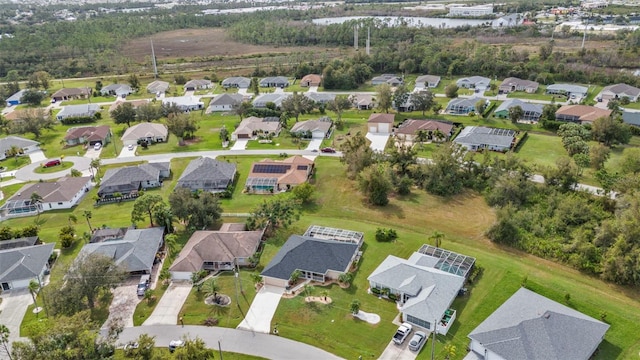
[410, 21]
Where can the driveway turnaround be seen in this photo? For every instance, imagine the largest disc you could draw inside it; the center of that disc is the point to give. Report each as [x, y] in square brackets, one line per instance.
[168, 308]
[14, 306]
[233, 340]
[378, 141]
[262, 308]
[26, 173]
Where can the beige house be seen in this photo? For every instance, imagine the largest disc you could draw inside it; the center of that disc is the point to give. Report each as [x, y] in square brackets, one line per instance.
[253, 126]
[380, 123]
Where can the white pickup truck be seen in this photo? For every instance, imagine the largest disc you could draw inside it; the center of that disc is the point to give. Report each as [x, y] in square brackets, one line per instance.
[402, 333]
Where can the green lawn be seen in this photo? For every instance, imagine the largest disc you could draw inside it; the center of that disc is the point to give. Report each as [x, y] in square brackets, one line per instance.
[8, 191]
[541, 149]
[538, 95]
[14, 163]
[165, 354]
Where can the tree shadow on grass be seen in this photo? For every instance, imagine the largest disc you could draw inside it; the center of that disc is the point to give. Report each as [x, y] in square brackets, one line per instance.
[390, 210]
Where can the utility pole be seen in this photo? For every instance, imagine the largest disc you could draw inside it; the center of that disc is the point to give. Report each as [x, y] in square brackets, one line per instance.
[433, 343]
[153, 58]
[220, 349]
[368, 49]
[355, 37]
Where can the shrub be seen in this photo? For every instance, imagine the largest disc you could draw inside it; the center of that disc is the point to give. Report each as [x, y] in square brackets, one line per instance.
[393, 297]
[210, 322]
[386, 235]
[78, 120]
[475, 273]
[376, 291]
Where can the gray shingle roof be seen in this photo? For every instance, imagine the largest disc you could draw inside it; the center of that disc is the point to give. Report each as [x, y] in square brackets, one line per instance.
[631, 118]
[78, 110]
[23, 263]
[310, 254]
[7, 142]
[226, 99]
[320, 97]
[206, 169]
[323, 124]
[517, 102]
[530, 326]
[479, 135]
[237, 81]
[127, 178]
[136, 251]
[568, 88]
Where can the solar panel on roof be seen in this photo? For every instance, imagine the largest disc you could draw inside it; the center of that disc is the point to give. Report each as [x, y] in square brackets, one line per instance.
[270, 169]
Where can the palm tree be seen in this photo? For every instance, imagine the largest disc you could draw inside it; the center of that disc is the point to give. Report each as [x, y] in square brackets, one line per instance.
[87, 215]
[36, 199]
[439, 135]
[345, 278]
[295, 276]
[4, 339]
[212, 289]
[33, 289]
[308, 289]
[73, 219]
[256, 277]
[15, 152]
[437, 237]
[95, 164]
[421, 137]
[170, 243]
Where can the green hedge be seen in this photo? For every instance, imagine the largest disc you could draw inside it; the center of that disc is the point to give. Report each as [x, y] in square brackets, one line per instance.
[520, 140]
[78, 120]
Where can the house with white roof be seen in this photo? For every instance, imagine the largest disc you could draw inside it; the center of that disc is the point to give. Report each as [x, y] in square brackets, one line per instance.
[474, 82]
[184, 103]
[225, 102]
[198, 84]
[158, 87]
[82, 110]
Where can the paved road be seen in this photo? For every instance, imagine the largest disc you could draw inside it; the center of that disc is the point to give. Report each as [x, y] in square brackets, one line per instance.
[27, 173]
[239, 341]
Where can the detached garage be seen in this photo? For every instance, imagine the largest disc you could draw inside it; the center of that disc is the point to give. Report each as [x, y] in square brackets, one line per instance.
[380, 123]
[19, 266]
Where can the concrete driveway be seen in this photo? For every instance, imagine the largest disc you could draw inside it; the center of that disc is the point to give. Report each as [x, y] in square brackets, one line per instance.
[402, 352]
[37, 156]
[93, 153]
[125, 152]
[124, 302]
[378, 141]
[314, 144]
[14, 306]
[240, 144]
[262, 308]
[168, 308]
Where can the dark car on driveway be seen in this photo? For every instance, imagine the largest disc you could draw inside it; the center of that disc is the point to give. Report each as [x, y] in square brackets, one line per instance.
[328, 150]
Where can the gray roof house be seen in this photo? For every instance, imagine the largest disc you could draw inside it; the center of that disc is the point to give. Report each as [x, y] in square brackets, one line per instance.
[184, 103]
[236, 82]
[208, 174]
[462, 106]
[152, 132]
[631, 118]
[64, 193]
[512, 84]
[474, 82]
[320, 97]
[318, 256]
[476, 138]
[391, 79]
[16, 98]
[25, 145]
[158, 87]
[119, 90]
[567, 89]
[197, 84]
[316, 129]
[528, 326]
[619, 91]
[424, 285]
[261, 100]
[274, 81]
[225, 102]
[136, 251]
[427, 81]
[532, 112]
[129, 180]
[18, 266]
[82, 110]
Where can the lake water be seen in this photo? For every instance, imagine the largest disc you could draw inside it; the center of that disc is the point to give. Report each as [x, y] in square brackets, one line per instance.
[410, 21]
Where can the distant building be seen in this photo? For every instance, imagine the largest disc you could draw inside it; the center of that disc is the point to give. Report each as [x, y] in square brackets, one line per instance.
[531, 112]
[158, 87]
[391, 79]
[236, 82]
[198, 84]
[184, 103]
[478, 10]
[82, 110]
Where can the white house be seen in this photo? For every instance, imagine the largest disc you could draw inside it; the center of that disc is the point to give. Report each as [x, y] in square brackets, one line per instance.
[64, 193]
[184, 103]
[19, 266]
[199, 84]
[150, 132]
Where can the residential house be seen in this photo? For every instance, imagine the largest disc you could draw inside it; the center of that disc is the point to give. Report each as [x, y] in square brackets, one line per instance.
[380, 123]
[149, 132]
[427, 81]
[107, 234]
[631, 118]
[275, 81]
[136, 251]
[311, 80]
[198, 84]
[362, 101]
[119, 90]
[16, 98]
[313, 129]
[435, 130]
[424, 285]
[63, 193]
[158, 87]
[531, 112]
[19, 242]
[127, 181]
[271, 176]
[463, 106]
[82, 110]
[320, 97]
[225, 102]
[19, 266]
[254, 126]
[476, 10]
[581, 114]
[322, 254]
[512, 84]
[184, 103]
[619, 91]
[476, 138]
[224, 249]
[25, 146]
[16, 115]
[474, 82]
[508, 20]
[88, 135]
[134, 103]
[390, 79]
[568, 90]
[262, 100]
[71, 94]
[208, 174]
[529, 326]
[236, 82]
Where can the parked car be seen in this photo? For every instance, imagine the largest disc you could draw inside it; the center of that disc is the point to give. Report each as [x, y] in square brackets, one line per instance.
[51, 163]
[328, 150]
[97, 146]
[402, 333]
[130, 147]
[143, 285]
[174, 344]
[417, 341]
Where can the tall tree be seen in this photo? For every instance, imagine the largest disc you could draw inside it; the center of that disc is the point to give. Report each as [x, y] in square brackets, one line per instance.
[296, 105]
[181, 125]
[36, 200]
[134, 82]
[451, 91]
[91, 274]
[4, 339]
[196, 211]
[384, 97]
[401, 96]
[375, 184]
[443, 176]
[610, 131]
[255, 86]
[598, 155]
[15, 152]
[422, 100]
[630, 163]
[357, 154]
[339, 105]
[224, 134]
[145, 206]
[279, 212]
[32, 97]
[515, 113]
[124, 114]
[32, 121]
[148, 112]
[87, 215]
[437, 237]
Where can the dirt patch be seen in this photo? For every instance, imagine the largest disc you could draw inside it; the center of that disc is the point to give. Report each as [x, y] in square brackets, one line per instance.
[319, 299]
